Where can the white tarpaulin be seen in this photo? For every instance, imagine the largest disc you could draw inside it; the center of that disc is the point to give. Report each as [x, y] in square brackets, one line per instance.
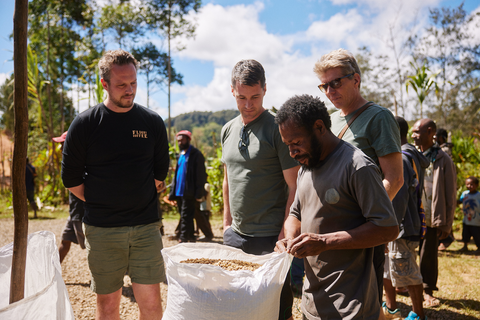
[46, 296]
[202, 291]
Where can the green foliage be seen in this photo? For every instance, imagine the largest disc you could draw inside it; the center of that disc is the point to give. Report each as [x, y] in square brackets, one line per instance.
[215, 179]
[205, 126]
[99, 91]
[154, 65]
[466, 156]
[123, 21]
[422, 82]
[376, 78]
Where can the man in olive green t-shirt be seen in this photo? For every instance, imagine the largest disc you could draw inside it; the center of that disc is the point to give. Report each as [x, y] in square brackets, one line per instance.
[375, 131]
[260, 176]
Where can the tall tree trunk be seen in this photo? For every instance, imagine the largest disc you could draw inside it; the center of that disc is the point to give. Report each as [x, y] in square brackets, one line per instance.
[50, 145]
[169, 69]
[62, 78]
[20, 209]
[148, 90]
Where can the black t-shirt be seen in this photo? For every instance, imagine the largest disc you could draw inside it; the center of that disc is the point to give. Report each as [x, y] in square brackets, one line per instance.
[117, 156]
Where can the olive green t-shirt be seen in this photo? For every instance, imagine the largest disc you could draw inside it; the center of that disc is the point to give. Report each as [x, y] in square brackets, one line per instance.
[375, 131]
[257, 189]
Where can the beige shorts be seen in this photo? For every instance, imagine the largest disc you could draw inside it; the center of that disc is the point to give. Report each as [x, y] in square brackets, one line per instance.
[401, 265]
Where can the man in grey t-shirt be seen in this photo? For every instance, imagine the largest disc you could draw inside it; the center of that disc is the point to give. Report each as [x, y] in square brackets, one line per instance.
[340, 212]
[260, 177]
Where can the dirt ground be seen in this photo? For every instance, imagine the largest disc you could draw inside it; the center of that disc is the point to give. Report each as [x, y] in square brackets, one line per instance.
[76, 273]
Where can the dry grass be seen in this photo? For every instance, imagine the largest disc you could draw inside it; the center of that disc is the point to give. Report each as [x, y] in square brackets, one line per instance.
[458, 283]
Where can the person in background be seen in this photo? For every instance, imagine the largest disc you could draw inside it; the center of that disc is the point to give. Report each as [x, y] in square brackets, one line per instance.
[401, 268]
[335, 220]
[116, 159]
[373, 130]
[188, 185]
[73, 231]
[439, 202]
[202, 216]
[471, 211]
[441, 137]
[260, 177]
[30, 174]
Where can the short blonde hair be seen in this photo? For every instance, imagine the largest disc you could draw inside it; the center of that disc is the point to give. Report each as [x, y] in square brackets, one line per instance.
[339, 58]
[117, 57]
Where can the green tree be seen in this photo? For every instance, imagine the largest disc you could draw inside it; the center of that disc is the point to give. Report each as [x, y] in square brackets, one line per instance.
[422, 83]
[124, 21]
[377, 78]
[6, 104]
[154, 65]
[168, 17]
[447, 44]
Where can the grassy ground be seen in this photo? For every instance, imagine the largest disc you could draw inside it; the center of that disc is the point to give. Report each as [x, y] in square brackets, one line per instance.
[459, 284]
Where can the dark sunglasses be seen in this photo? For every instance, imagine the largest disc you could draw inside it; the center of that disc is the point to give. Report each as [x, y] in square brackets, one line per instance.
[244, 140]
[334, 84]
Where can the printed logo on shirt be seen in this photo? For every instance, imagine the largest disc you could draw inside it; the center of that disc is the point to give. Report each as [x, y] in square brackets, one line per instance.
[332, 196]
[139, 134]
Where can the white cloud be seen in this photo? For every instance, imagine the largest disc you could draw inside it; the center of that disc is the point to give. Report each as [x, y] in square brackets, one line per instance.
[225, 35]
[3, 77]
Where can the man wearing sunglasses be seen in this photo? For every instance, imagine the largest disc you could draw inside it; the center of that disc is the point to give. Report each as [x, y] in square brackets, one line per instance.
[260, 176]
[374, 129]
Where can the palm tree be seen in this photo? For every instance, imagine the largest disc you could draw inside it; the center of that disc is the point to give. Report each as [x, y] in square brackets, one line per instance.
[422, 83]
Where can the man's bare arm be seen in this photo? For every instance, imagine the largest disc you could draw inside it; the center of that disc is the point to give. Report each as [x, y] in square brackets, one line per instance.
[367, 235]
[227, 216]
[290, 176]
[292, 228]
[79, 191]
[392, 168]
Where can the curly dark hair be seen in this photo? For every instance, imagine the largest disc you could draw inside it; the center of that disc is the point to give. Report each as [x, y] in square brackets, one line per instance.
[474, 179]
[303, 110]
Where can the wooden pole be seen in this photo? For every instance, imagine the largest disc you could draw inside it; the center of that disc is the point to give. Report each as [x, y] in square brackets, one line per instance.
[20, 209]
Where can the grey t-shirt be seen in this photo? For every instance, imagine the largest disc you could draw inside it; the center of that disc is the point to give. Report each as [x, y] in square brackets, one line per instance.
[343, 193]
[375, 131]
[257, 188]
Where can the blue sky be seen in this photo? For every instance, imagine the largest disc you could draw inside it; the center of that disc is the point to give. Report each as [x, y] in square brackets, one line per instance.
[286, 36]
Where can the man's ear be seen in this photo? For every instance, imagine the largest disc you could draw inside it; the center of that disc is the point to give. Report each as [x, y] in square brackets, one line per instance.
[319, 125]
[357, 79]
[104, 84]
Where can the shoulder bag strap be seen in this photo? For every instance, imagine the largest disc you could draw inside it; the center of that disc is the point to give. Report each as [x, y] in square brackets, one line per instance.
[349, 123]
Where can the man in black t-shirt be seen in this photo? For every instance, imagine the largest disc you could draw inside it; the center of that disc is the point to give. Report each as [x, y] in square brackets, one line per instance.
[115, 159]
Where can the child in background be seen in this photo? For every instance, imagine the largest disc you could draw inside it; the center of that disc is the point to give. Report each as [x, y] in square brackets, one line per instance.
[471, 211]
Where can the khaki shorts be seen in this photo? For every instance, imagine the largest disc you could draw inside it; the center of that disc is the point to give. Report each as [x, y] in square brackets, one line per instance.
[401, 265]
[114, 251]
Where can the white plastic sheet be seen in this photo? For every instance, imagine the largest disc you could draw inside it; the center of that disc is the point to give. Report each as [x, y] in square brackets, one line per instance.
[201, 291]
[46, 295]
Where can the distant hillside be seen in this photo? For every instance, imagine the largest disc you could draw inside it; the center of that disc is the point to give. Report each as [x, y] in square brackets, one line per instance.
[205, 126]
[188, 121]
